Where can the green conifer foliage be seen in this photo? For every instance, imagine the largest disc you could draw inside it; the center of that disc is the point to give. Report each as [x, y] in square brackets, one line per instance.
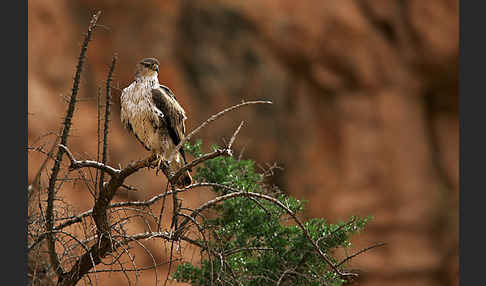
[254, 241]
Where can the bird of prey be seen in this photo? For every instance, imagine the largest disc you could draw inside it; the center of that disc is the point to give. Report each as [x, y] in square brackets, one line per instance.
[151, 112]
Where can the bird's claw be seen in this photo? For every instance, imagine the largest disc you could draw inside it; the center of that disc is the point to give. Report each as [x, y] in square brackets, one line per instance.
[158, 162]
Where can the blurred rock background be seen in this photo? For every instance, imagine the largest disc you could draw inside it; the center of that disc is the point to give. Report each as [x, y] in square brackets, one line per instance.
[364, 120]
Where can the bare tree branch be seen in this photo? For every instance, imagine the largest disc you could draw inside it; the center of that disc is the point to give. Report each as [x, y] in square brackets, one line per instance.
[219, 152]
[211, 119]
[65, 133]
[195, 162]
[107, 117]
[359, 252]
[98, 131]
[232, 139]
[75, 164]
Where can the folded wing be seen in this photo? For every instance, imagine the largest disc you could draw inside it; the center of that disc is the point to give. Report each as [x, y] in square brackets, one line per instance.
[173, 114]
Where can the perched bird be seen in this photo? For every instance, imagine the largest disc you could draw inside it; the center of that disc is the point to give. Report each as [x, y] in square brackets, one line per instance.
[151, 112]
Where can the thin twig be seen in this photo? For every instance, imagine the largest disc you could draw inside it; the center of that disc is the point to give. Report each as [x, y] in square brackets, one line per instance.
[132, 270]
[211, 119]
[109, 79]
[232, 139]
[359, 252]
[236, 250]
[170, 262]
[128, 187]
[162, 207]
[98, 133]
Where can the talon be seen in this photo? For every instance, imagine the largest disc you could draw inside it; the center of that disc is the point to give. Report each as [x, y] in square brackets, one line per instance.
[159, 161]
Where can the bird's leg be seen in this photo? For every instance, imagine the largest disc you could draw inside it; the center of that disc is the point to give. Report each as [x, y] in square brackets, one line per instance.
[158, 162]
[161, 162]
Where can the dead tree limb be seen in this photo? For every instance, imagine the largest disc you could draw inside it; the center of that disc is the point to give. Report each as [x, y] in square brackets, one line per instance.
[212, 118]
[106, 126]
[219, 152]
[75, 164]
[65, 133]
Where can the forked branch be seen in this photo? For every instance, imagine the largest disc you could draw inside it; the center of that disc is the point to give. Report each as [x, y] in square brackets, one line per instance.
[75, 164]
[226, 151]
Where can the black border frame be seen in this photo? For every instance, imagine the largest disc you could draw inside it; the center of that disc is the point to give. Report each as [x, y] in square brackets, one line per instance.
[14, 140]
[472, 142]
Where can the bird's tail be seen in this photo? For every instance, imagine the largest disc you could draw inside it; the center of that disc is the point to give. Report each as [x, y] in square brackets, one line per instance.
[185, 179]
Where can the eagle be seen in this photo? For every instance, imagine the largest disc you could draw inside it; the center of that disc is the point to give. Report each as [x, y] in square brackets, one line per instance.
[150, 111]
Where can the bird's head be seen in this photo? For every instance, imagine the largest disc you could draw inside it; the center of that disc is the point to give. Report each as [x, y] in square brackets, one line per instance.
[147, 68]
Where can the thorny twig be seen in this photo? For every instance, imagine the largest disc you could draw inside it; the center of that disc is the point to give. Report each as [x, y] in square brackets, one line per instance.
[107, 117]
[65, 133]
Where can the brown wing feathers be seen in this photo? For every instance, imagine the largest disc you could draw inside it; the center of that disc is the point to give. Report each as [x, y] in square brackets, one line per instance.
[173, 116]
